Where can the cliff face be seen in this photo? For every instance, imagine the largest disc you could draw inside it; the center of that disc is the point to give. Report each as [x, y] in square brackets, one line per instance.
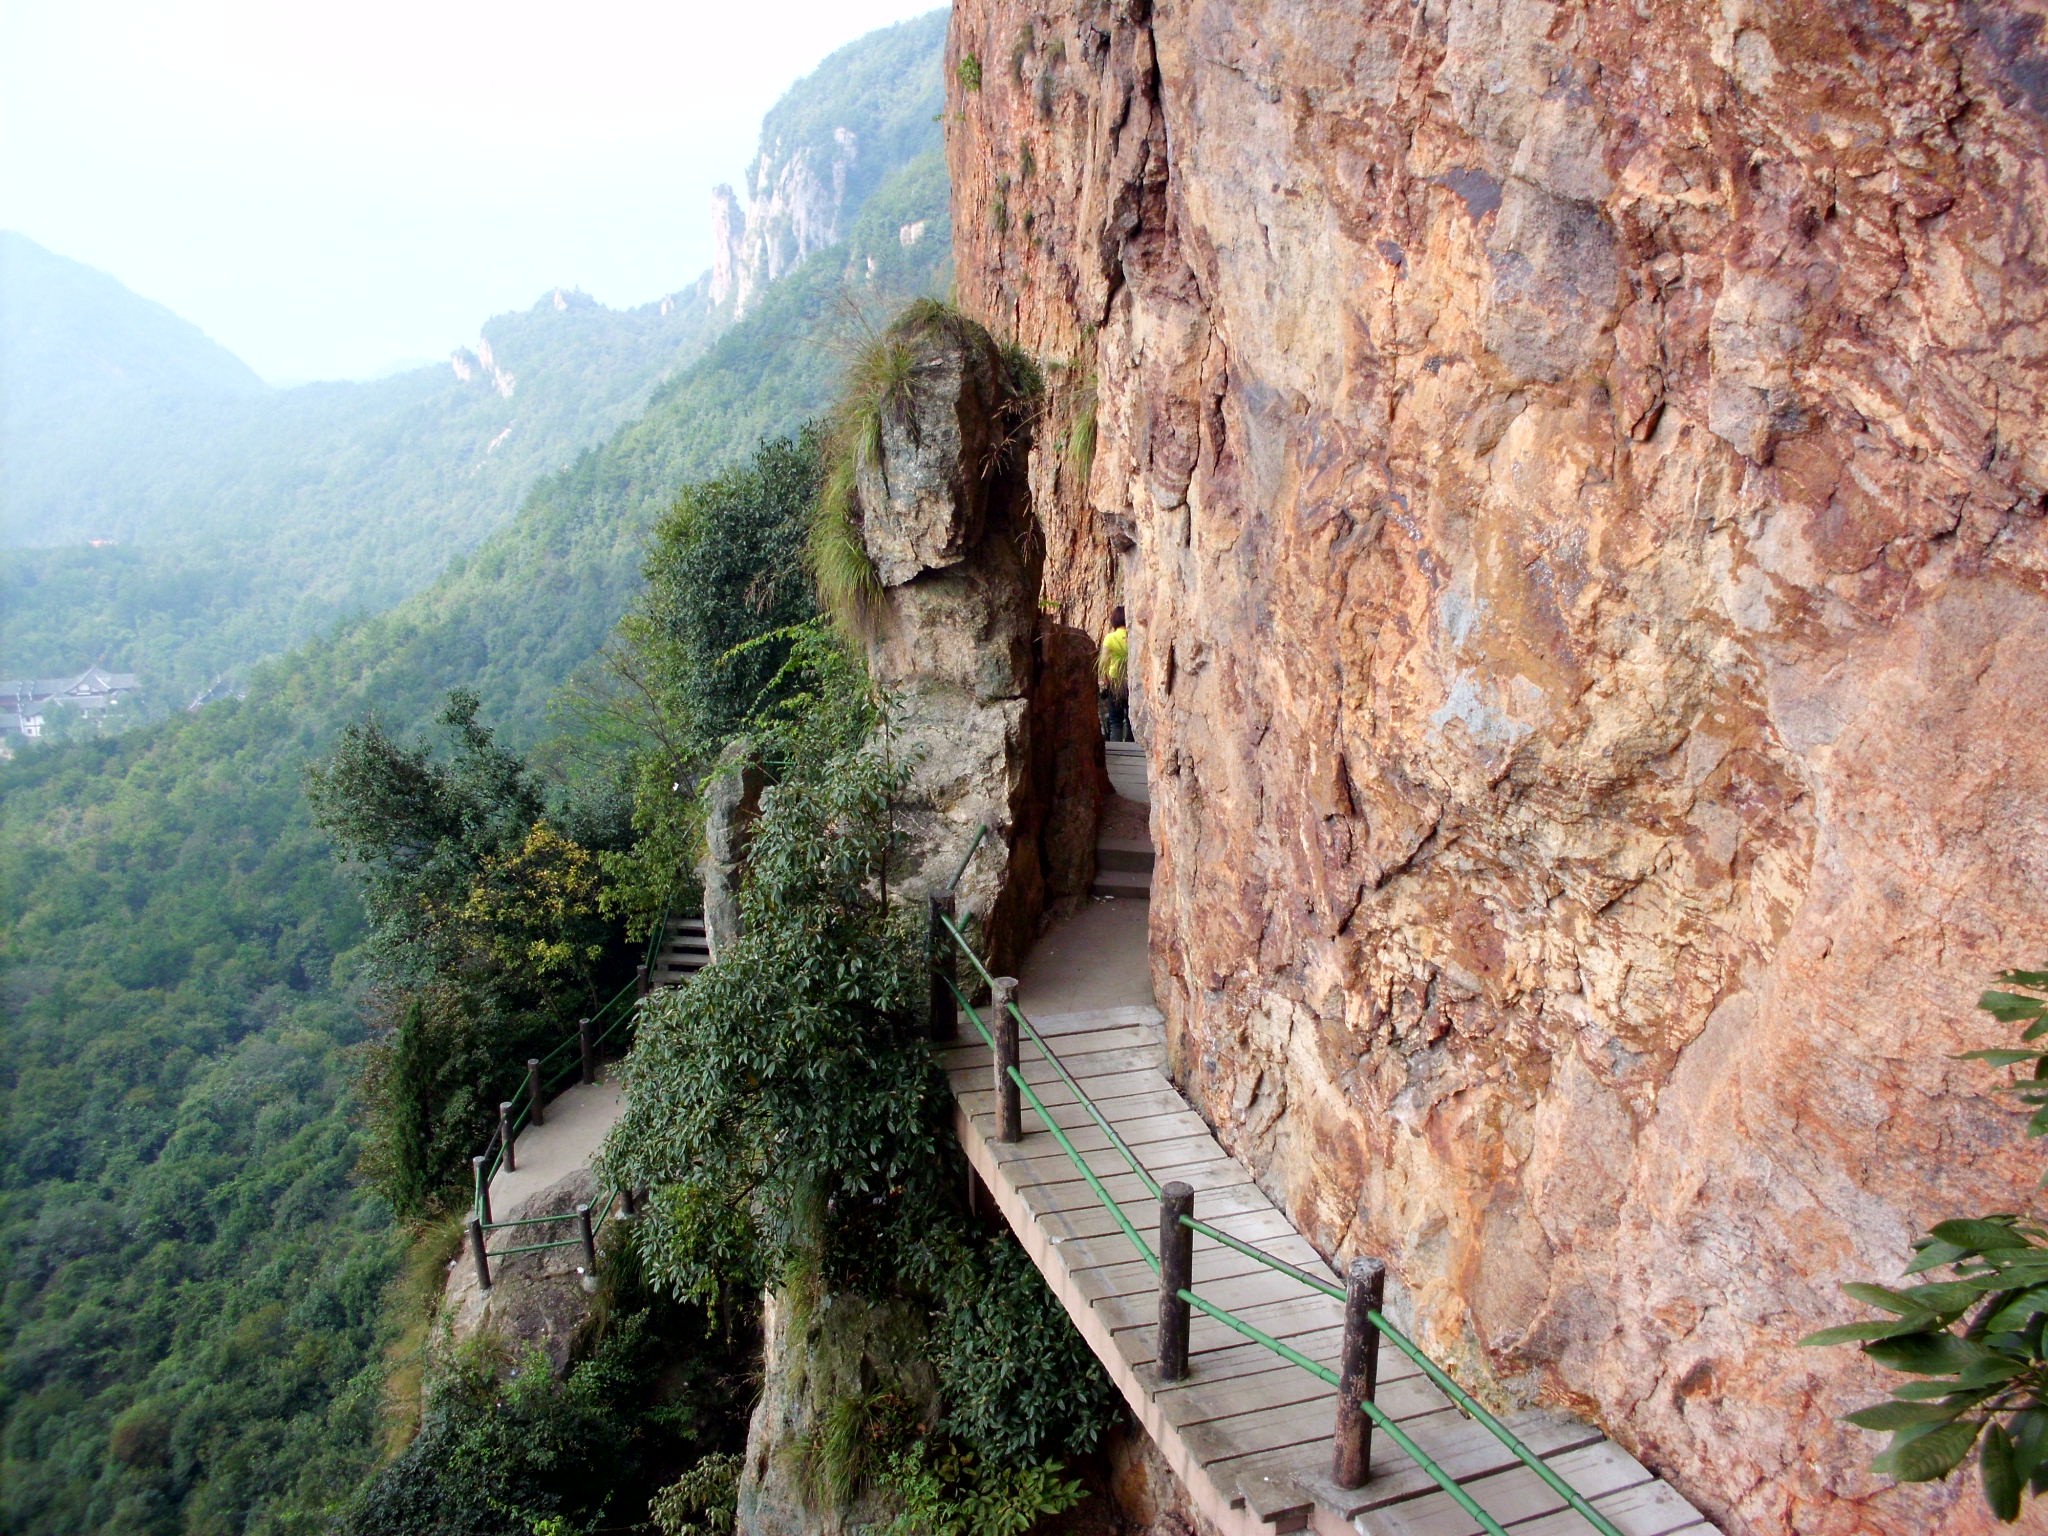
[793, 209]
[1577, 478]
[869, 109]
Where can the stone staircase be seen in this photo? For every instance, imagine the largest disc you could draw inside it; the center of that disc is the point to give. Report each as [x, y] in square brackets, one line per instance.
[1123, 867]
[684, 951]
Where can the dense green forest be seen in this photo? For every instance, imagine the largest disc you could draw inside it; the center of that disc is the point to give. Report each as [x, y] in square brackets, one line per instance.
[197, 1323]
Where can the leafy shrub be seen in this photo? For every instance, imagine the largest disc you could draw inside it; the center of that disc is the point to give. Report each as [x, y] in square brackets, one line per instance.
[947, 1492]
[704, 1501]
[504, 1444]
[1018, 1383]
[789, 1080]
[1974, 1342]
[969, 71]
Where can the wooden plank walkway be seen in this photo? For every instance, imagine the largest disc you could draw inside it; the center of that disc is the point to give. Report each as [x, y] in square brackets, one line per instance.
[1248, 1433]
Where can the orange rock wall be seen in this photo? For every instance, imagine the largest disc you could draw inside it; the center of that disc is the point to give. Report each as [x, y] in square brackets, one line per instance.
[1577, 474]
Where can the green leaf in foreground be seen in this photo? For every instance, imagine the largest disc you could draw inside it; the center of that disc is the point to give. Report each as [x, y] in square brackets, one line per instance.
[1929, 1456]
[2001, 1478]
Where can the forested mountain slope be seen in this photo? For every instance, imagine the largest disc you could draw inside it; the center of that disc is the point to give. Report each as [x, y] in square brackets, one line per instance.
[74, 343]
[194, 1329]
[243, 523]
[247, 520]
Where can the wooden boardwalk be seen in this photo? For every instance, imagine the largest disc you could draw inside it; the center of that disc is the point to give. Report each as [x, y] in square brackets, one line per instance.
[1248, 1433]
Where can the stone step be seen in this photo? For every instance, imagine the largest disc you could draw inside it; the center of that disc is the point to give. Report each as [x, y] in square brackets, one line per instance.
[1123, 853]
[1122, 882]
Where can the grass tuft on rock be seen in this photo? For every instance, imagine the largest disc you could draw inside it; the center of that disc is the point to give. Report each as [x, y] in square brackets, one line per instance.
[1079, 445]
[881, 376]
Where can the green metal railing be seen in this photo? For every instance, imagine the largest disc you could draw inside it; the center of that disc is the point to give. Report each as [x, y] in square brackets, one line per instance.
[967, 858]
[1377, 1320]
[574, 1058]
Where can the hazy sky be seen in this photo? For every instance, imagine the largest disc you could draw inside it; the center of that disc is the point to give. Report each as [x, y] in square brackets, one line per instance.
[329, 190]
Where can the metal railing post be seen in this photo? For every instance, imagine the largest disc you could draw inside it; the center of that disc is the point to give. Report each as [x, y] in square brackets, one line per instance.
[505, 1135]
[589, 1050]
[1009, 1107]
[640, 980]
[945, 1012]
[589, 1239]
[476, 1250]
[1358, 1376]
[1176, 1274]
[533, 1098]
[483, 1190]
[629, 1203]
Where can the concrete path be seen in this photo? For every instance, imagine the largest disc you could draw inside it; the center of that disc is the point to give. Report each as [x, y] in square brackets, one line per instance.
[1127, 772]
[577, 1120]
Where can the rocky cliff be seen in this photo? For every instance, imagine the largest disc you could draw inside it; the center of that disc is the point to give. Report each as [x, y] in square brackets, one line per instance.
[867, 110]
[1577, 478]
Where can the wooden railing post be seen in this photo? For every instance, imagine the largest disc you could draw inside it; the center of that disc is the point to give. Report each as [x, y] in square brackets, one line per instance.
[483, 1189]
[1365, 1289]
[476, 1251]
[533, 1091]
[640, 980]
[589, 1050]
[945, 1009]
[1009, 1107]
[629, 1203]
[505, 1135]
[589, 1240]
[1176, 1274]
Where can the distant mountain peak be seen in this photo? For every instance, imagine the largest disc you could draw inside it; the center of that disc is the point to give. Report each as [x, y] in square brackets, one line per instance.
[69, 331]
[824, 147]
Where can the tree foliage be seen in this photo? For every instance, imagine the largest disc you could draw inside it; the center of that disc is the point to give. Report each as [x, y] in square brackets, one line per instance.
[1976, 1342]
[789, 1077]
[420, 833]
[700, 649]
[785, 1110]
[490, 935]
[193, 1330]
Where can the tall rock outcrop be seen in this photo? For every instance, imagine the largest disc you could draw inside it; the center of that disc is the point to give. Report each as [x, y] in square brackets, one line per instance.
[832, 141]
[794, 203]
[993, 704]
[1577, 475]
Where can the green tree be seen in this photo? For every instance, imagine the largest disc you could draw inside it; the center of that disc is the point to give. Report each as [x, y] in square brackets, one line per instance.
[419, 832]
[700, 649]
[1976, 1343]
[489, 928]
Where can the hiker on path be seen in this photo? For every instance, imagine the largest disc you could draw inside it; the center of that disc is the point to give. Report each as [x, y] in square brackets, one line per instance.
[1113, 673]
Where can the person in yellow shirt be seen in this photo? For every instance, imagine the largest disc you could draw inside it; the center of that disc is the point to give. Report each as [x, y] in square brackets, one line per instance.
[1113, 673]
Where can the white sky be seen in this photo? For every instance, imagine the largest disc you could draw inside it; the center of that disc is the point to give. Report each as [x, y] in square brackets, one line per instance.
[329, 190]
